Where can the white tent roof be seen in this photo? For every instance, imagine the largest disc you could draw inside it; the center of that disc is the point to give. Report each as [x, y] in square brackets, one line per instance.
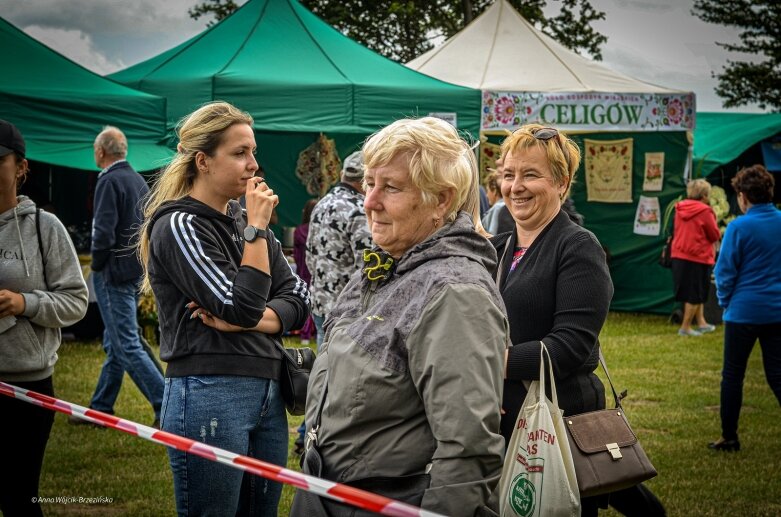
[501, 51]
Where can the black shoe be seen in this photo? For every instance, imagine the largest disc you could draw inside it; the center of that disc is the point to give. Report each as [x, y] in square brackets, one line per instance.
[299, 446]
[75, 420]
[725, 445]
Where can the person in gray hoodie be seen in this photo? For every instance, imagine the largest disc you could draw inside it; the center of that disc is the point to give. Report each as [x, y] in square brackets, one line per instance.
[41, 290]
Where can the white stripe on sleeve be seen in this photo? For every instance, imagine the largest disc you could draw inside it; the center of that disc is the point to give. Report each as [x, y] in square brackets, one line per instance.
[300, 288]
[211, 268]
[192, 258]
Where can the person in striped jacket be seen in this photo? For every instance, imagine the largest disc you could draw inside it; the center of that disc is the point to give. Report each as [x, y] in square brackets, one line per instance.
[225, 293]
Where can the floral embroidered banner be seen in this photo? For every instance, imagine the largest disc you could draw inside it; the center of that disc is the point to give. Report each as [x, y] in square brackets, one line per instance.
[609, 170]
[653, 177]
[589, 111]
[489, 153]
[647, 217]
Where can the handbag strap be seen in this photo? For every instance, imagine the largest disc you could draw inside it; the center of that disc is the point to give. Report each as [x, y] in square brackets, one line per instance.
[609, 380]
[281, 348]
[311, 435]
[543, 353]
[668, 214]
[499, 276]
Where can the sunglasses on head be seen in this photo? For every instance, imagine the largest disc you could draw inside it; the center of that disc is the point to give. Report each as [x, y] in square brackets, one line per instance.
[544, 133]
[548, 133]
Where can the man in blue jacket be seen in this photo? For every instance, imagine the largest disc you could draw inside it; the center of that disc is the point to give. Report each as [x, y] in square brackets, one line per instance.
[117, 273]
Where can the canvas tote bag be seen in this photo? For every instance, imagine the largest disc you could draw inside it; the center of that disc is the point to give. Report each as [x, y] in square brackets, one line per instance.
[538, 477]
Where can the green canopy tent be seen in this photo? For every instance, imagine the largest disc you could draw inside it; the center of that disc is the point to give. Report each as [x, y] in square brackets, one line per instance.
[60, 107]
[298, 77]
[724, 142]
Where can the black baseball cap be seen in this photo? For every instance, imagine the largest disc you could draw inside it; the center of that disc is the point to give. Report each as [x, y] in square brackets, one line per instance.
[11, 140]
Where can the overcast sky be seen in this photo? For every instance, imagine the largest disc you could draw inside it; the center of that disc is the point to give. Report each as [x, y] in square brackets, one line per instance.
[657, 41]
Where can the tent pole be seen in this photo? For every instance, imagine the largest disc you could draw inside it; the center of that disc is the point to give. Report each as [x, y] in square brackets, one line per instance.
[687, 170]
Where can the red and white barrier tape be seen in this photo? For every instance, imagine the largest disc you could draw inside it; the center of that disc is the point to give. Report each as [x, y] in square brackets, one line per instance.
[321, 487]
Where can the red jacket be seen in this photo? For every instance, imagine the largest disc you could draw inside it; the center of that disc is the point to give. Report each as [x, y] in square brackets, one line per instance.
[695, 231]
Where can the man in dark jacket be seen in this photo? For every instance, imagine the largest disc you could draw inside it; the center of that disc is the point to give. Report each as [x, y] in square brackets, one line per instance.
[117, 273]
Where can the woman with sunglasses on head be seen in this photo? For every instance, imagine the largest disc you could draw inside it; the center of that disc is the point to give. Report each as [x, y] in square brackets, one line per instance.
[554, 282]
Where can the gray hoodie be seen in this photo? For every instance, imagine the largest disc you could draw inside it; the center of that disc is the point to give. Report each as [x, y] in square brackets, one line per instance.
[28, 350]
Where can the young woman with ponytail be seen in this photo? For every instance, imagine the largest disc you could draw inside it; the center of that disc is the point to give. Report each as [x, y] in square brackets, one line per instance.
[225, 294]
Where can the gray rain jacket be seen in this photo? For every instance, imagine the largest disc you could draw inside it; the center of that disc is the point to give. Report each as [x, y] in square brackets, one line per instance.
[28, 350]
[415, 368]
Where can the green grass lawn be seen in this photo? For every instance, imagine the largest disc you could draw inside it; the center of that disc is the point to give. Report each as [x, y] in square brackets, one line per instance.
[673, 385]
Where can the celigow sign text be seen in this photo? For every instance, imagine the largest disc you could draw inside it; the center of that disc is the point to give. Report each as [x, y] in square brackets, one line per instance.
[589, 111]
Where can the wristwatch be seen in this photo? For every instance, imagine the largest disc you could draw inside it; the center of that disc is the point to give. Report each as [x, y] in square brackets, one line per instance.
[251, 233]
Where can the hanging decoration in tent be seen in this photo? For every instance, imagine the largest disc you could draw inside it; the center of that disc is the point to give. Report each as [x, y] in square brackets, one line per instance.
[653, 177]
[609, 170]
[318, 166]
[647, 217]
[589, 111]
[489, 153]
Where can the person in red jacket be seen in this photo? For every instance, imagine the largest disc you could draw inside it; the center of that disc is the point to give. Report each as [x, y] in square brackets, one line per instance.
[693, 255]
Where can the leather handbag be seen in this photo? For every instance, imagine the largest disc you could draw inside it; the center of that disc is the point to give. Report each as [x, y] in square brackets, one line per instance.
[607, 455]
[294, 377]
[666, 257]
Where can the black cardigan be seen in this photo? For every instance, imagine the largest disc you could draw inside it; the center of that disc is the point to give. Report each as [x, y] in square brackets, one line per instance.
[559, 293]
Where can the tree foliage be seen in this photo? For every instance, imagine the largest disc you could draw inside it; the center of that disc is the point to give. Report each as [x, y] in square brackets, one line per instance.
[402, 30]
[219, 8]
[759, 80]
[572, 28]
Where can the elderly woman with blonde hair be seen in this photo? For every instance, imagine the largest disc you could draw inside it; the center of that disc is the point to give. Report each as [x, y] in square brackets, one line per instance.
[404, 399]
[693, 254]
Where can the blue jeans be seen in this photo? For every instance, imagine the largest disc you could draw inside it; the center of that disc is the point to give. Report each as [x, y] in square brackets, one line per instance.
[739, 339]
[124, 351]
[244, 415]
[319, 320]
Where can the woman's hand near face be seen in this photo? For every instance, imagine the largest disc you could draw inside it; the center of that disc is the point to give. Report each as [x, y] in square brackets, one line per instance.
[261, 201]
